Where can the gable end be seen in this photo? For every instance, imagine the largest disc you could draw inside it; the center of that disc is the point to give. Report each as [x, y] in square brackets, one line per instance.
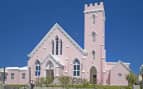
[56, 26]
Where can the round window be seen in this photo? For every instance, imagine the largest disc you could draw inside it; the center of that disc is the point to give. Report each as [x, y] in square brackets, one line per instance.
[119, 74]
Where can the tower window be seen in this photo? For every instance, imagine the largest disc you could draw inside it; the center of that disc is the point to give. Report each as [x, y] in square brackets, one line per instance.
[93, 36]
[93, 17]
[93, 54]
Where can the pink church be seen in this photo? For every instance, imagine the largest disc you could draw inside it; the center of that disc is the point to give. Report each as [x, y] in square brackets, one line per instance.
[57, 54]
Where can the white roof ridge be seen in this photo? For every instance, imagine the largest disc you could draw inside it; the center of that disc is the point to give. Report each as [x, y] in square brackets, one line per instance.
[81, 49]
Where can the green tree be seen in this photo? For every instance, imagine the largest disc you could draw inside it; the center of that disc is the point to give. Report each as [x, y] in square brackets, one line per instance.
[141, 71]
[132, 78]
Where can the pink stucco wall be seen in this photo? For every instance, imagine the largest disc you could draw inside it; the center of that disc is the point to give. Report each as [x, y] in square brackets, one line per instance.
[17, 76]
[118, 75]
[98, 45]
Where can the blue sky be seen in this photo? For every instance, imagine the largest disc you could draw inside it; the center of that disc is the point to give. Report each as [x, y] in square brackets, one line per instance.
[23, 23]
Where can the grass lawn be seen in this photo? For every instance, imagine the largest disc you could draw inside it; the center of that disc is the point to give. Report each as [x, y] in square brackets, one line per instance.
[93, 86]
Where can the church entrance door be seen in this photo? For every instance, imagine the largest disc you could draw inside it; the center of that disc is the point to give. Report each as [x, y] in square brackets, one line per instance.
[50, 70]
[50, 73]
[93, 75]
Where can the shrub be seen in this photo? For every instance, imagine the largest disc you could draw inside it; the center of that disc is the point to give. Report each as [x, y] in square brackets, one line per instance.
[85, 82]
[48, 80]
[132, 78]
[141, 84]
[14, 86]
[64, 80]
[44, 81]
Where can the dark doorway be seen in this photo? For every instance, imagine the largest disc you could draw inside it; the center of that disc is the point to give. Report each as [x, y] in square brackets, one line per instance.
[93, 75]
[50, 73]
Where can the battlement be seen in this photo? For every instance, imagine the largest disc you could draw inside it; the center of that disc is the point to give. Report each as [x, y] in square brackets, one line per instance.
[93, 7]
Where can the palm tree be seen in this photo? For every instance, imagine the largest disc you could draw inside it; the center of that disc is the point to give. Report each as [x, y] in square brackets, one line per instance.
[132, 78]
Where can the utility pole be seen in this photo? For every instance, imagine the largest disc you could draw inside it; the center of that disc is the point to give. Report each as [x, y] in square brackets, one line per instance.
[4, 77]
[29, 75]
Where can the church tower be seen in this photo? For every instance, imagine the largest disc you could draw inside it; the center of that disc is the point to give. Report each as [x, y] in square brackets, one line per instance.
[94, 37]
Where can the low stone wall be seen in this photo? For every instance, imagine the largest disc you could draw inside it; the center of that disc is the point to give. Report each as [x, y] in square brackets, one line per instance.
[136, 87]
[59, 88]
[46, 88]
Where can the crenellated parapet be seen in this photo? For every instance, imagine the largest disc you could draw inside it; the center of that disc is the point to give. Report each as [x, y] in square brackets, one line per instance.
[92, 7]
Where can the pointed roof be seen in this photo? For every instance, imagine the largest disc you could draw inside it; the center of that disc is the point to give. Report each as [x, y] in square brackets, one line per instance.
[57, 60]
[57, 26]
[125, 65]
[54, 59]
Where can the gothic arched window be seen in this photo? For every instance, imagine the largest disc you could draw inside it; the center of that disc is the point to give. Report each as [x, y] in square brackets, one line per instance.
[61, 47]
[93, 54]
[76, 68]
[53, 47]
[93, 36]
[37, 68]
[57, 45]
